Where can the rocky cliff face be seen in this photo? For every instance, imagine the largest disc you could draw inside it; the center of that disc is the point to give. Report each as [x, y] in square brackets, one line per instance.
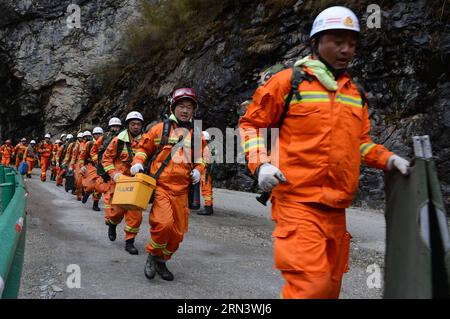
[47, 67]
[403, 65]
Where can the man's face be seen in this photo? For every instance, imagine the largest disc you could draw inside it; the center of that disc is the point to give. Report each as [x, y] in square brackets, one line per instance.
[115, 128]
[184, 110]
[47, 140]
[337, 47]
[96, 136]
[135, 127]
[80, 139]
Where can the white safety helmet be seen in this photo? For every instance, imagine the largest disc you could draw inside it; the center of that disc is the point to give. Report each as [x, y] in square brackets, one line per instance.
[23, 139]
[47, 136]
[63, 135]
[335, 18]
[33, 142]
[206, 136]
[97, 130]
[115, 121]
[134, 116]
[79, 135]
[87, 133]
[58, 141]
[69, 136]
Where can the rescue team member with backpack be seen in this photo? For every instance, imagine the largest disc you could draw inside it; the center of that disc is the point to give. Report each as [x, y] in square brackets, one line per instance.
[54, 168]
[75, 165]
[206, 180]
[103, 183]
[169, 213]
[19, 150]
[89, 171]
[60, 156]
[117, 160]
[314, 172]
[6, 151]
[45, 151]
[30, 156]
[66, 165]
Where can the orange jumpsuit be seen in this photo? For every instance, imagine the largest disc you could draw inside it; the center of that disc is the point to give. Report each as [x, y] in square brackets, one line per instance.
[7, 152]
[169, 213]
[323, 140]
[19, 150]
[89, 178]
[102, 186]
[30, 155]
[54, 167]
[45, 150]
[121, 163]
[65, 158]
[75, 165]
[206, 181]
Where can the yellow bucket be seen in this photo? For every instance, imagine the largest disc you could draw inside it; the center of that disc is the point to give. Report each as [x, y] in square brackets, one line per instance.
[133, 193]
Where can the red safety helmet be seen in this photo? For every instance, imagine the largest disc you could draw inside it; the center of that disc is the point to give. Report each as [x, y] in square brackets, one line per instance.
[182, 93]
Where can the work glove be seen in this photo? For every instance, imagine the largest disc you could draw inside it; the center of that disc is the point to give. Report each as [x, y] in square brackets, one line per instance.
[136, 168]
[195, 176]
[399, 163]
[116, 176]
[269, 176]
[83, 170]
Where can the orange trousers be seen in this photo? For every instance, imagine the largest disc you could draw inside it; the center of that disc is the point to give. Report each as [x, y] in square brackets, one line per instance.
[207, 191]
[311, 248]
[6, 160]
[133, 218]
[107, 189]
[89, 181]
[78, 182]
[59, 176]
[30, 162]
[18, 161]
[45, 164]
[169, 222]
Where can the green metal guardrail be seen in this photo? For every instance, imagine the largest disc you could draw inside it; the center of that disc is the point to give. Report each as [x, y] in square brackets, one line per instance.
[12, 231]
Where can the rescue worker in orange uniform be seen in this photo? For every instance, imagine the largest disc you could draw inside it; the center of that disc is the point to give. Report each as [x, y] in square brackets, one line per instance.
[19, 150]
[63, 158]
[6, 150]
[89, 170]
[54, 167]
[116, 161]
[206, 180]
[169, 213]
[75, 165]
[30, 155]
[314, 170]
[45, 151]
[104, 183]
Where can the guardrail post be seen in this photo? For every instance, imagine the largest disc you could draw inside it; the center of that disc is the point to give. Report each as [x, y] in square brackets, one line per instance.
[6, 194]
[2, 174]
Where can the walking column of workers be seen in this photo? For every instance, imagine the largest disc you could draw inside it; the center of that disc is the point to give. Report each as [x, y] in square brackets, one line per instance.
[312, 176]
[91, 164]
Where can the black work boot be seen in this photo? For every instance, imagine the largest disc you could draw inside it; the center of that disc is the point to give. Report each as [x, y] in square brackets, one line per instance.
[95, 206]
[162, 270]
[129, 246]
[85, 197]
[207, 211]
[112, 232]
[150, 267]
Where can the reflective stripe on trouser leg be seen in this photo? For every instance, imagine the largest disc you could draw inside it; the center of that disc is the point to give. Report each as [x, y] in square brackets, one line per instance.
[107, 199]
[133, 220]
[315, 267]
[169, 222]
